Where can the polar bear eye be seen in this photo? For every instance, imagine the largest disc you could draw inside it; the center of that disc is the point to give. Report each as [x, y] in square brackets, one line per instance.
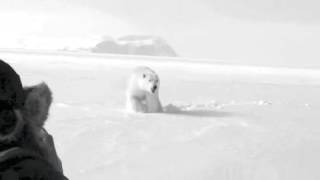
[144, 76]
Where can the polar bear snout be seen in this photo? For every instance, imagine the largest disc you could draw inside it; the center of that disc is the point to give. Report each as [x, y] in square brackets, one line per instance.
[154, 88]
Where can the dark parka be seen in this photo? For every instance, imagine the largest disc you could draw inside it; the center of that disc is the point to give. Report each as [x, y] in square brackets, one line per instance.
[16, 161]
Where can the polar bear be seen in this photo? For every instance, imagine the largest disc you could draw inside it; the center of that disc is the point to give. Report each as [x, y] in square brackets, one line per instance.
[143, 91]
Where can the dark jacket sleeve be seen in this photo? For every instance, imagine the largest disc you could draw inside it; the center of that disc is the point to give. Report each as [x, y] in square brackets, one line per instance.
[20, 164]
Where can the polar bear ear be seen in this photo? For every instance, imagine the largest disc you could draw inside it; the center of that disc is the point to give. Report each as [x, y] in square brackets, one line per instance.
[37, 103]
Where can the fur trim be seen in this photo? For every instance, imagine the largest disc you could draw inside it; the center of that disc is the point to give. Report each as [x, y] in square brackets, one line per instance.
[37, 104]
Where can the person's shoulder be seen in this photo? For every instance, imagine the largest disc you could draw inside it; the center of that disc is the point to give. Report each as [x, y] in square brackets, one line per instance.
[17, 163]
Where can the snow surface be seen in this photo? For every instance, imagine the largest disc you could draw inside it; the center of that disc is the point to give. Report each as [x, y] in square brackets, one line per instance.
[221, 121]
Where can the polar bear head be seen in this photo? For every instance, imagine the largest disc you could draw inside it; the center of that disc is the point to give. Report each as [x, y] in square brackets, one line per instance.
[147, 79]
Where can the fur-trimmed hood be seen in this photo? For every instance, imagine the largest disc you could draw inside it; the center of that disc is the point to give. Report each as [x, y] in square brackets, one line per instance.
[20, 106]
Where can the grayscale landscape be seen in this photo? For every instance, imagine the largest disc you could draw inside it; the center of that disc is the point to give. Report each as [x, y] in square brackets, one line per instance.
[220, 121]
[240, 85]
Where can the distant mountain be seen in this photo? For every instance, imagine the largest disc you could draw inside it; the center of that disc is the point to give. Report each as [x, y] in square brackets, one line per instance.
[135, 45]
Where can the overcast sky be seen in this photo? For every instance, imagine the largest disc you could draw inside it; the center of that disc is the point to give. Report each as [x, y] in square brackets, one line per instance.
[261, 30]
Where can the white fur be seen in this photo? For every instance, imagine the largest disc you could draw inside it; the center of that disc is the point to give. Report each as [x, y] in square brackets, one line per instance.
[141, 96]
